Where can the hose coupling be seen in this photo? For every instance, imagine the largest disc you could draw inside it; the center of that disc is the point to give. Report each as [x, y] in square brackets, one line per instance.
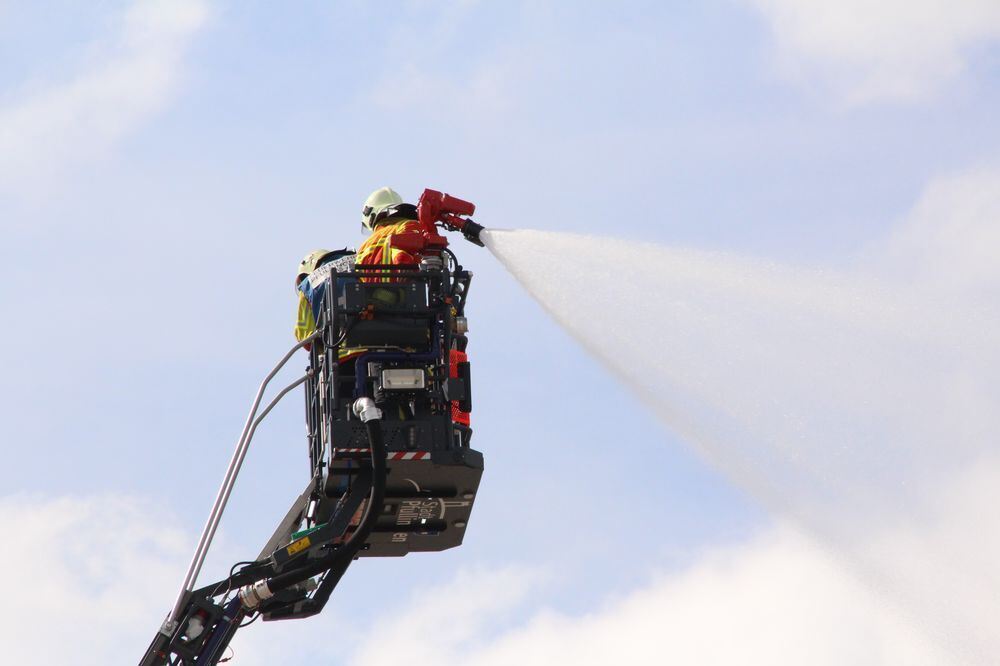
[251, 595]
[366, 409]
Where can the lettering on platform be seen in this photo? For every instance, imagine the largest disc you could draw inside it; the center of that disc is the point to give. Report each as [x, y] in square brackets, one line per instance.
[413, 511]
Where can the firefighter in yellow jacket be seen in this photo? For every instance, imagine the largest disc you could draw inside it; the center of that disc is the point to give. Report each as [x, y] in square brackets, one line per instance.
[305, 323]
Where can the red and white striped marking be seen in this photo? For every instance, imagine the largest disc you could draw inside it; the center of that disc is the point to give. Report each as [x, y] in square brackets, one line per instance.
[408, 455]
[392, 455]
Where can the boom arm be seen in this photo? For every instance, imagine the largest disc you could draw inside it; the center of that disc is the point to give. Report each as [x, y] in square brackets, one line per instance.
[204, 621]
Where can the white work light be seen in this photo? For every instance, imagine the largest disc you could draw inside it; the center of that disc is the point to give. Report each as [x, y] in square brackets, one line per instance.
[403, 379]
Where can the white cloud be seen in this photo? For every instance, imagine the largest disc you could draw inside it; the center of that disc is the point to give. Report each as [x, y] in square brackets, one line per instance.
[775, 601]
[942, 570]
[82, 575]
[440, 622]
[952, 237]
[134, 77]
[886, 50]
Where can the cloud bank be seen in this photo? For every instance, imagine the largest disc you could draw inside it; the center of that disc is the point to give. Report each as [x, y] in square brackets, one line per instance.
[902, 50]
[82, 574]
[777, 601]
[96, 568]
[951, 238]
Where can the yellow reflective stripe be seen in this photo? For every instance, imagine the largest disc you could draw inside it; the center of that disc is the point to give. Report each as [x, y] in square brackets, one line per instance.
[305, 324]
[381, 240]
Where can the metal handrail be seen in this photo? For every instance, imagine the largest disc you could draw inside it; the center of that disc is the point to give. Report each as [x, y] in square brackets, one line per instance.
[222, 497]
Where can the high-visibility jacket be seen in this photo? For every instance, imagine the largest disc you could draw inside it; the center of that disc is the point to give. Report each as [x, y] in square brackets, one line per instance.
[305, 322]
[378, 248]
[310, 291]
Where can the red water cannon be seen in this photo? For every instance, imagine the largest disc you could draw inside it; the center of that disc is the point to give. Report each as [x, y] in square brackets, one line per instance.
[435, 207]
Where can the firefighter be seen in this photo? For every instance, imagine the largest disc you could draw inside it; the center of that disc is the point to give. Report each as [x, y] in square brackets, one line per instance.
[388, 219]
[305, 322]
[310, 291]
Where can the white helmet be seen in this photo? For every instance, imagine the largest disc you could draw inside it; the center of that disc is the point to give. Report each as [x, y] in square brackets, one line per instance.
[309, 263]
[377, 201]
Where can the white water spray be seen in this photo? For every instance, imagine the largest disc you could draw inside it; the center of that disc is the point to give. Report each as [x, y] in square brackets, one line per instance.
[866, 413]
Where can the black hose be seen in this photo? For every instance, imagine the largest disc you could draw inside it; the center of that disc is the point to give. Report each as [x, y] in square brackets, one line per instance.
[346, 553]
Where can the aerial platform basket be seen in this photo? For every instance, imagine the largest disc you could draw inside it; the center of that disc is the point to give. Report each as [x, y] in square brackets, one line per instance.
[391, 470]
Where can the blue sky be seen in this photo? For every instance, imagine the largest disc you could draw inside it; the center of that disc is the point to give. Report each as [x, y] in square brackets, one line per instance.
[163, 167]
